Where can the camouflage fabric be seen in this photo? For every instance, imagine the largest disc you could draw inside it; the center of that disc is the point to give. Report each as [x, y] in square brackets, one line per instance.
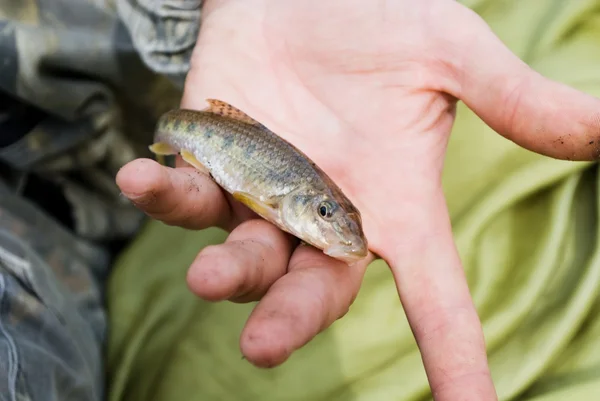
[82, 83]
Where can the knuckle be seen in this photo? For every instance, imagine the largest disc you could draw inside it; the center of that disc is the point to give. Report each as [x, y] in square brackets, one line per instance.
[185, 206]
[452, 342]
[512, 102]
[453, 382]
[439, 321]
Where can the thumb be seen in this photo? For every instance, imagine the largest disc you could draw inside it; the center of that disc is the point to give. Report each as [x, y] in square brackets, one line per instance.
[536, 113]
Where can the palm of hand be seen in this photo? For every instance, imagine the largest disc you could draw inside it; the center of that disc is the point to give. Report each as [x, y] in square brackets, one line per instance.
[372, 120]
[367, 109]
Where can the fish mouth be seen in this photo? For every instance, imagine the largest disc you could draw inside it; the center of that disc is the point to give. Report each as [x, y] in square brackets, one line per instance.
[345, 253]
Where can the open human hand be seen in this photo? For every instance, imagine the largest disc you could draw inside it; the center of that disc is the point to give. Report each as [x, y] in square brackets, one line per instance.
[368, 90]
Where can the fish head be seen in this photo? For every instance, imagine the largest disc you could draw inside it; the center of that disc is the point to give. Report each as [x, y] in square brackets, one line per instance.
[327, 223]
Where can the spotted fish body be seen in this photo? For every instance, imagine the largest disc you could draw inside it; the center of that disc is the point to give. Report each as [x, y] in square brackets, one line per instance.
[266, 173]
[239, 156]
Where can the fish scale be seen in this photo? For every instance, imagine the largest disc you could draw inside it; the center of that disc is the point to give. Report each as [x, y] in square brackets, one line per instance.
[266, 173]
[268, 168]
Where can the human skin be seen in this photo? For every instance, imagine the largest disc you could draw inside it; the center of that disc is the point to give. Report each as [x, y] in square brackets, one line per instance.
[368, 90]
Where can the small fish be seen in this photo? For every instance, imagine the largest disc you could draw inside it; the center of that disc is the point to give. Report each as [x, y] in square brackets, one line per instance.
[266, 173]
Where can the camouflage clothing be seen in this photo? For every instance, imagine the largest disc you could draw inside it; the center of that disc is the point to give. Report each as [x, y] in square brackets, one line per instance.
[82, 83]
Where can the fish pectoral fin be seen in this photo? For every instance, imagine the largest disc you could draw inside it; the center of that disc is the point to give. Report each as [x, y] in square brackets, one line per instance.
[225, 109]
[189, 158]
[266, 209]
[162, 149]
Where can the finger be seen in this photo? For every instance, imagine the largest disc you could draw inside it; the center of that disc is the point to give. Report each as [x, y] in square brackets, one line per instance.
[179, 162]
[538, 114]
[436, 299]
[183, 197]
[317, 291]
[253, 257]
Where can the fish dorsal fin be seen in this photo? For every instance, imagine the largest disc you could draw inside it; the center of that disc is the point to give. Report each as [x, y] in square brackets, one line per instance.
[226, 110]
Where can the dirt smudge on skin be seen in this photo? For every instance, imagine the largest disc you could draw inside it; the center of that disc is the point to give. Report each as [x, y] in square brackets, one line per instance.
[592, 135]
[192, 183]
[582, 144]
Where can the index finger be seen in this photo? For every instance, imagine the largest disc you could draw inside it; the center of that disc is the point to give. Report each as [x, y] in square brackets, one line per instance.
[434, 292]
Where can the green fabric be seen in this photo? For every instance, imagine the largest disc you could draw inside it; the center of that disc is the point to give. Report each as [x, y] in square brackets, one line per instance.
[527, 230]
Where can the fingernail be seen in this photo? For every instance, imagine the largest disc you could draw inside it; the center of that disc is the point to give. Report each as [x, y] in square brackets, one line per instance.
[139, 199]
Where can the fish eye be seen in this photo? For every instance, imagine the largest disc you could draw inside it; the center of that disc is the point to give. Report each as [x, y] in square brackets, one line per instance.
[326, 209]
